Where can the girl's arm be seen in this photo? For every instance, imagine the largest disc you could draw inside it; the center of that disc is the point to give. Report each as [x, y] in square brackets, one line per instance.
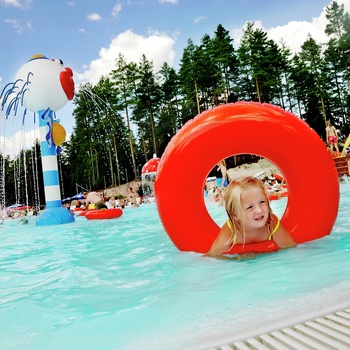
[282, 237]
[220, 244]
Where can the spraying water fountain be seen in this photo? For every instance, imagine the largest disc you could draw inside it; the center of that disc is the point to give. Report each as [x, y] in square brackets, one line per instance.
[148, 175]
[44, 86]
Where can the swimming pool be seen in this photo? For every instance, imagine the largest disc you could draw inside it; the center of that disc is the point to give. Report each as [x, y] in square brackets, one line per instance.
[120, 284]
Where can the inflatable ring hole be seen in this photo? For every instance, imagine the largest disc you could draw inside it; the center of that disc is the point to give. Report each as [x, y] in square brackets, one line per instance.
[249, 165]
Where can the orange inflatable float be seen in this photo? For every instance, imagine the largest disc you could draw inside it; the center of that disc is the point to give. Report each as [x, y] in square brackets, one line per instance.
[102, 214]
[246, 128]
[84, 212]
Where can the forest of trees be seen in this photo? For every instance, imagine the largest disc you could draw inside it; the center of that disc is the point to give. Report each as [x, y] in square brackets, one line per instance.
[133, 112]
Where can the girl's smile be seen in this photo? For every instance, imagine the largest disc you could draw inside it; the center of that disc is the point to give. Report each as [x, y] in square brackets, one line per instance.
[255, 207]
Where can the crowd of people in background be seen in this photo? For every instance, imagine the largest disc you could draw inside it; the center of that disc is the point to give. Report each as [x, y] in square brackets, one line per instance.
[89, 200]
[214, 189]
[98, 200]
[22, 214]
[215, 185]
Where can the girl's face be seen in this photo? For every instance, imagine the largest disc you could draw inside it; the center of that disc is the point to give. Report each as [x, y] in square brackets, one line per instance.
[255, 208]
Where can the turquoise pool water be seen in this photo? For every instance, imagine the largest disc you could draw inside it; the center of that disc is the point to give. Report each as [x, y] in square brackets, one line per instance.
[120, 284]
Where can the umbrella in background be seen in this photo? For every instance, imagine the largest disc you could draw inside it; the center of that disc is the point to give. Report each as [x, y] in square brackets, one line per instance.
[15, 206]
[78, 196]
[18, 206]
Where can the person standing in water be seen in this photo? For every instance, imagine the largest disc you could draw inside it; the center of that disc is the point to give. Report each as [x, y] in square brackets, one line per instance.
[94, 198]
[222, 168]
[131, 196]
[332, 137]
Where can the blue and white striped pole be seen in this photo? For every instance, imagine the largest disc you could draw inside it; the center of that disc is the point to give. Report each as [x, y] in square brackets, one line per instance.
[54, 213]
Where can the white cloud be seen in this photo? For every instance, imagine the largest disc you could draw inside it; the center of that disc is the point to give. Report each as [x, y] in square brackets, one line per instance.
[168, 1]
[116, 9]
[18, 26]
[18, 141]
[346, 4]
[16, 3]
[94, 17]
[295, 33]
[157, 47]
[199, 19]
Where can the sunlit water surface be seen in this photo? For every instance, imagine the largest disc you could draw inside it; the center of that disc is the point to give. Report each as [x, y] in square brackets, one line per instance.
[120, 284]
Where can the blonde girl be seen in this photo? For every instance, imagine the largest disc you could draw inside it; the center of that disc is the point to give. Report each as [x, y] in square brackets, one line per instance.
[251, 226]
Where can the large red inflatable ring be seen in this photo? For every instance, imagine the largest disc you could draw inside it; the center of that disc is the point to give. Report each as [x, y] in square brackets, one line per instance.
[245, 128]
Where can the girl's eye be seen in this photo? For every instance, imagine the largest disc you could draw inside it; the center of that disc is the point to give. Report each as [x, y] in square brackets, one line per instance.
[249, 207]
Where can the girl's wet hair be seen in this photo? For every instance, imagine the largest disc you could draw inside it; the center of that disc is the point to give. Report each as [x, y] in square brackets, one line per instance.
[233, 204]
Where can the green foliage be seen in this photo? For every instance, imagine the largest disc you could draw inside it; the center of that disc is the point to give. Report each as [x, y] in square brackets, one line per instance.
[133, 112]
[144, 109]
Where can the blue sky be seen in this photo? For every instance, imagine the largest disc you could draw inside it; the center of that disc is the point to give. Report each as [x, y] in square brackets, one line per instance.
[88, 34]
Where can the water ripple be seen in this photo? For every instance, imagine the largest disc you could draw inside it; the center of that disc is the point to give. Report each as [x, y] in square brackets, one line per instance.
[121, 283]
